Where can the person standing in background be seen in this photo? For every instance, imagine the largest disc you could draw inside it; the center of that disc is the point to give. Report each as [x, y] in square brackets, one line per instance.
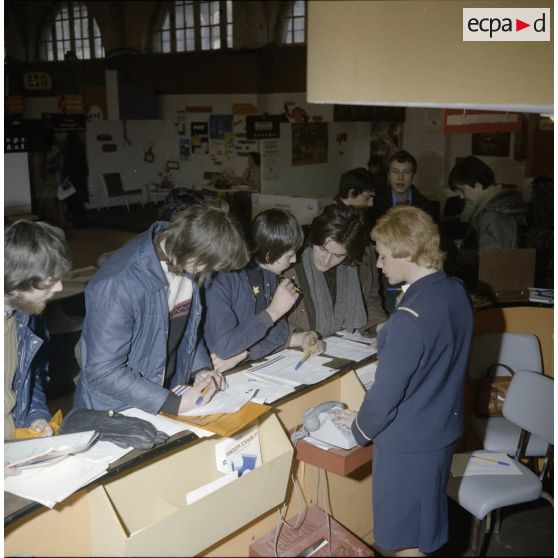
[51, 208]
[76, 170]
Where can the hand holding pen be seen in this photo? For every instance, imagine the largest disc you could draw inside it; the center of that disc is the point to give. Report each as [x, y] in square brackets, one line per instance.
[284, 298]
[311, 345]
[196, 396]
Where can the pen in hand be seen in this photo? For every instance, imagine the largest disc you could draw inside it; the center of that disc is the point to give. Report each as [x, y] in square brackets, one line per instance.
[203, 391]
[304, 358]
[295, 286]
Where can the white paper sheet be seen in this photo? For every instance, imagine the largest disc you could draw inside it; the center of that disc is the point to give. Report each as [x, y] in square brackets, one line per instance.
[37, 450]
[482, 463]
[202, 491]
[356, 336]
[367, 374]
[350, 350]
[227, 401]
[262, 391]
[166, 424]
[51, 484]
[282, 371]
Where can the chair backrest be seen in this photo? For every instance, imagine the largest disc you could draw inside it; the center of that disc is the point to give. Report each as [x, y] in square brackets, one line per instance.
[113, 184]
[530, 404]
[520, 351]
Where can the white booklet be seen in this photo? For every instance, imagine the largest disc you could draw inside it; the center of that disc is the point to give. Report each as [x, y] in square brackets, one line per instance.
[42, 451]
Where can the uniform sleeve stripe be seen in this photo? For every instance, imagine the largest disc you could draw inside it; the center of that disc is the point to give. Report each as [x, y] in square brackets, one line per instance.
[410, 310]
[360, 429]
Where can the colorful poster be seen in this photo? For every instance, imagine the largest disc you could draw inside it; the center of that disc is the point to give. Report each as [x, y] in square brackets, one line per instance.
[309, 143]
[219, 124]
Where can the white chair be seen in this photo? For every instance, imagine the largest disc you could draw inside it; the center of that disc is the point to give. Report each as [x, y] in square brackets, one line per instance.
[519, 351]
[112, 184]
[529, 404]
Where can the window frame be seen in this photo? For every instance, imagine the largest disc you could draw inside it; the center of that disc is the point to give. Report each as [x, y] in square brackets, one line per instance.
[170, 9]
[50, 42]
[290, 19]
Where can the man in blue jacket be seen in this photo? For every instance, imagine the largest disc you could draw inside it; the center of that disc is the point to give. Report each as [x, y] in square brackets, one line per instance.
[35, 258]
[140, 335]
[413, 413]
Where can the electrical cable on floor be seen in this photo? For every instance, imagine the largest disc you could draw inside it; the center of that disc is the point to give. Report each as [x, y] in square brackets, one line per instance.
[283, 510]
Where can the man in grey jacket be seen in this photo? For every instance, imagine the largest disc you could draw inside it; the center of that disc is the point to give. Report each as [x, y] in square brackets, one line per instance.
[140, 335]
[498, 213]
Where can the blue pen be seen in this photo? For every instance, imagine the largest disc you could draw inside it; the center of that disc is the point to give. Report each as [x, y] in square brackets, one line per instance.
[301, 361]
[394, 289]
[497, 461]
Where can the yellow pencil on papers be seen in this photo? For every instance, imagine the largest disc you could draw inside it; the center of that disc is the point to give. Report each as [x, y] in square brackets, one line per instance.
[496, 461]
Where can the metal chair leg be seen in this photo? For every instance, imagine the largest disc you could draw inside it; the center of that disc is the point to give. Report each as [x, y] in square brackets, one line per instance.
[478, 534]
[497, 521]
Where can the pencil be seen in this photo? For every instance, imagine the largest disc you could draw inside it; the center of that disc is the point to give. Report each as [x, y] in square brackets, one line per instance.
[497, 461]
[202, 393]
[295, 286]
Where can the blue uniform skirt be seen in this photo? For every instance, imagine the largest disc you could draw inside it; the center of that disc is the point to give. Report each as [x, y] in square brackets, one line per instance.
[409, 499]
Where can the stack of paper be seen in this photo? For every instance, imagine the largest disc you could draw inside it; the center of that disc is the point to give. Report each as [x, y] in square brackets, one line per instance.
[350, 350]
[483, 463]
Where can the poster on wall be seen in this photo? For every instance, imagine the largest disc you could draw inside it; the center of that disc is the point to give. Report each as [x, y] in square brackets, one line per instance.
[456, 121]
[386, 138]
[242, 145]
[262, 127]
[270, 159]
[491, 145]
[219, 124]
[309, 143]
[184, 149]
[200, 140]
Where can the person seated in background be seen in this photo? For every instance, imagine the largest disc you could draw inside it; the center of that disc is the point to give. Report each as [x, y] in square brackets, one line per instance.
[498, 213]
[402, 169]
[140, 334]
[35, 258]
[357, 189]
[329, 277]
[252, 174]
[244, 318]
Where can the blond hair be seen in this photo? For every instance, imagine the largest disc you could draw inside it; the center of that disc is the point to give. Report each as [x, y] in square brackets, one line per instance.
[409, 232]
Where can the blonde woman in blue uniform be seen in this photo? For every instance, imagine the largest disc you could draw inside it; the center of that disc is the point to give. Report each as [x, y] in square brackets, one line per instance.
[413, 413]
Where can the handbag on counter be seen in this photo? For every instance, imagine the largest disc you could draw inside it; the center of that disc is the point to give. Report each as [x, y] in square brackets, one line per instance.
[490, 391]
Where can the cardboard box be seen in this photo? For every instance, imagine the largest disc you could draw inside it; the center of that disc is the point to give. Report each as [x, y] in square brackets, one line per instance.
[145, 514]
[304, 209]
[312, 531]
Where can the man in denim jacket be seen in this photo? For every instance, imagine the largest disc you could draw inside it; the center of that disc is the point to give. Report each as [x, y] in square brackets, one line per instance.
[35, 257]
[140, 335]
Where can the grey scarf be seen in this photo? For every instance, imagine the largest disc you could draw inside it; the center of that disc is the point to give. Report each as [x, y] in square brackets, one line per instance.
[349, 312]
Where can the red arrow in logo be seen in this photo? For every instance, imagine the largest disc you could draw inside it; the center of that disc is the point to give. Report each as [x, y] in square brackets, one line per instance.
[519, 25]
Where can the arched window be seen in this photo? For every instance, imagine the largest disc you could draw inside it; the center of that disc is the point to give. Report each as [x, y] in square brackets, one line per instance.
[294, 30]
[194, 25]
[70, 28]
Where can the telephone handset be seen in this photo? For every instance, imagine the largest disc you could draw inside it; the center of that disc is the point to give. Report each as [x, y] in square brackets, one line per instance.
[317, 423]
